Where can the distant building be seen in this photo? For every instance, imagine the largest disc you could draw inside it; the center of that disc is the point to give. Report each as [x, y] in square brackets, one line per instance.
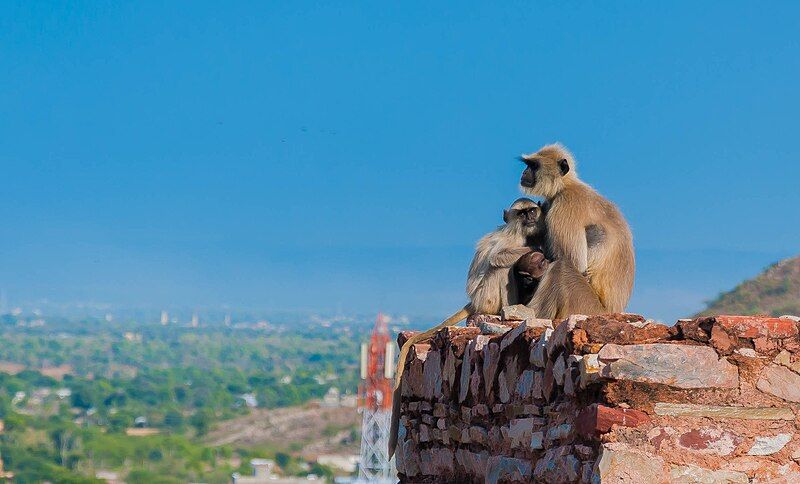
[110, 477]
[331, 398]
[195, 320]
[249, 399]
[164, 318]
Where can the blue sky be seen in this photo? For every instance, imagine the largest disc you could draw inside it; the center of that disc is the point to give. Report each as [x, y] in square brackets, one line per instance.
[320, 156]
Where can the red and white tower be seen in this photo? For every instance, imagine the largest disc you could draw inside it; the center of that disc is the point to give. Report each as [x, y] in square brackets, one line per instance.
[375, 404]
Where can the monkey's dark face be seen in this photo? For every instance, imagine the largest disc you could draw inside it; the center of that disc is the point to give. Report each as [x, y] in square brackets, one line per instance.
[528, 217]
[537, 168]
[524, 213]
[544, 172]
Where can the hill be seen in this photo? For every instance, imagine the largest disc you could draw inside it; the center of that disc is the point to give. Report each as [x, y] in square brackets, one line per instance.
[776, 292]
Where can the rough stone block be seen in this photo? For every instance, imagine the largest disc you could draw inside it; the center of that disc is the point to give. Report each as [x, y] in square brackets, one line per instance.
[557, 466]
[524, 385]
[519, 432]
[769, 445]
[432, 376]
[512, 336]
[716, 411]
[507, 469]
[538, 355]
[517, 312]
[491, 359]
[680, 366]
[620, 463]
[466, 371]
[781, 382]
[693, 474]
[561, 333]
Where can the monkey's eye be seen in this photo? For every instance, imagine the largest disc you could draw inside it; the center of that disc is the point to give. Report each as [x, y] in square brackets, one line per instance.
[533, 164]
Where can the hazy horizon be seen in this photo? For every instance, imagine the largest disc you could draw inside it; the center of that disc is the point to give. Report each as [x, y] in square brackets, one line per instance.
[334, 157]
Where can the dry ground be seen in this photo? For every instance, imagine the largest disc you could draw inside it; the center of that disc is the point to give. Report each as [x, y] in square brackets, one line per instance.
[312, 429]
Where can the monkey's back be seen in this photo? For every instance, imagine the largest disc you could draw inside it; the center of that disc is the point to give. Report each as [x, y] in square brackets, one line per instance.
[488, 286]
[611, 260]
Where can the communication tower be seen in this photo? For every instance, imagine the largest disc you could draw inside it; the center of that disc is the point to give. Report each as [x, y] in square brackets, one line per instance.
[375, 405]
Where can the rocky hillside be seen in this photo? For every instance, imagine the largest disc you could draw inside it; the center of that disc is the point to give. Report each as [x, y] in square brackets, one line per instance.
[776, 291]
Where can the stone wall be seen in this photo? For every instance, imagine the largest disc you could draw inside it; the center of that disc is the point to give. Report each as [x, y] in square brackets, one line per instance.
[612, 398]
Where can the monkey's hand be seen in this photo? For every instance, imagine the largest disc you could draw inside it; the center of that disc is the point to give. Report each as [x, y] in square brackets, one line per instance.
[507, 258]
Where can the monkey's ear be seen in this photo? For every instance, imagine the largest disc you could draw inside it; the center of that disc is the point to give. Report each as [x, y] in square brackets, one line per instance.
[505, 216]
[563, 164]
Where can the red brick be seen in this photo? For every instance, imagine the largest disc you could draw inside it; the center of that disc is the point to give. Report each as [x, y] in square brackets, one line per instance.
[598, 419]
[755, 326]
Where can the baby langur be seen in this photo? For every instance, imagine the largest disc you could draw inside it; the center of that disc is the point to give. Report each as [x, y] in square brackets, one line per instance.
[588, 240]
[528, 271]
[490, 281]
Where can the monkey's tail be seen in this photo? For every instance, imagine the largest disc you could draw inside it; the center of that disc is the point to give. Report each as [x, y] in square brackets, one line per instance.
[401, 363]
[401, 360]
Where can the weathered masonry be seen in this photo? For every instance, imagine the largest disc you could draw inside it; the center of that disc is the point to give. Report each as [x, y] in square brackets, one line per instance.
[612, 398]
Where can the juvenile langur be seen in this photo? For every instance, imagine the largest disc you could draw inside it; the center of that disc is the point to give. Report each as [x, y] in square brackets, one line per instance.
[490, 281]
[587, 238]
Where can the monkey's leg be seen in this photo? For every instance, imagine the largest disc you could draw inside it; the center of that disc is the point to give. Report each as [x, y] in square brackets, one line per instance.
[564, 291]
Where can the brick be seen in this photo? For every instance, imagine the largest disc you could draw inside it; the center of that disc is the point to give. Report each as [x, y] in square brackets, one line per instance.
[680, 366]
[596, 419]
[715, 411]
[781, 382]
[755, 326]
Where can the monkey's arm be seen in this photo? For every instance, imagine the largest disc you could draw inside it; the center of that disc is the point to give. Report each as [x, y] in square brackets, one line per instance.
[507, 257]
[567, 240]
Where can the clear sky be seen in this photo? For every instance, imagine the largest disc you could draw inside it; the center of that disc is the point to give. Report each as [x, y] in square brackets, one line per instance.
[348, 155]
